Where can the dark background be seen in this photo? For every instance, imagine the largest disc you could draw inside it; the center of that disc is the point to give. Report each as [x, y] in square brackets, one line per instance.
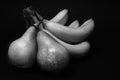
[96, 65]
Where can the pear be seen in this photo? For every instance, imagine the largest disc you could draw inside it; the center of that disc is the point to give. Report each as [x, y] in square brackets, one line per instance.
[22, 51]
[51, 56]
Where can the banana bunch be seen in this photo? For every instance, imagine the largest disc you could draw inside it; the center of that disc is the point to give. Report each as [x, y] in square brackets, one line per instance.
[69, 35]
[49, 41]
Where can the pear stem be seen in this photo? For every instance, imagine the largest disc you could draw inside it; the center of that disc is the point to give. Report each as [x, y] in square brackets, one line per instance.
[41, 19]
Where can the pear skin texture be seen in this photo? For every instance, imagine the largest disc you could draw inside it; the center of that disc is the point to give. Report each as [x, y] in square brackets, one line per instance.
[51, 55]
[22, 51]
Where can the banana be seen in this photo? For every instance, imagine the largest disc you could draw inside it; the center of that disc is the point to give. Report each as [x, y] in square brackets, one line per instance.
[80, 48]
[67, 34]
[74, 24]
[61, 17]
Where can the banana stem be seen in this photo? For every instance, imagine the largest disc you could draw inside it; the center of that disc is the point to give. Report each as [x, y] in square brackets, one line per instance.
[32, 18]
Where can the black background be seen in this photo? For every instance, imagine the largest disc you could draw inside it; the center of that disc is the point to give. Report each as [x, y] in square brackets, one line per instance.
[96, 65]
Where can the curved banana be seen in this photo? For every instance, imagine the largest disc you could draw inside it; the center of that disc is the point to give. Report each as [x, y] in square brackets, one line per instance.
[74, 24]
[80, 48]
[67, 34]
[61, 17]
